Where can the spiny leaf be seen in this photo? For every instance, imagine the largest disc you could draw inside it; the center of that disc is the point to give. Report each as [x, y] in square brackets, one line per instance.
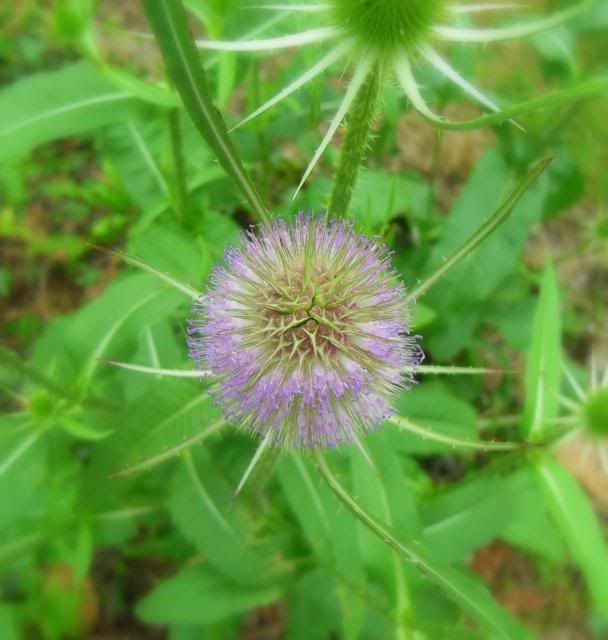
[168, 21]
[430, 434]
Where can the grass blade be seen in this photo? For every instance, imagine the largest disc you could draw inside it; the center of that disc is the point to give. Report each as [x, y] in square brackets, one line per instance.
[169, 24]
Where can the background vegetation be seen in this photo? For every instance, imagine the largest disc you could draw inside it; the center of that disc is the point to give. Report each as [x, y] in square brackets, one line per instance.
[116, 517]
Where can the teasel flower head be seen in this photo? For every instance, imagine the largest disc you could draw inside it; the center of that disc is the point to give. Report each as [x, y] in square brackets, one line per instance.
[305, 327]
[390, 38]
[587, 414]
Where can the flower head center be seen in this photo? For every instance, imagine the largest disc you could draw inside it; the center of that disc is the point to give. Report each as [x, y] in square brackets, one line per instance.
[595, 412]
[385, 26]
[305, 314]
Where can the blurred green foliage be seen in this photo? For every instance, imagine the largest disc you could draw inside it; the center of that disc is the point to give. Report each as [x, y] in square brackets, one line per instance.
[116, 508]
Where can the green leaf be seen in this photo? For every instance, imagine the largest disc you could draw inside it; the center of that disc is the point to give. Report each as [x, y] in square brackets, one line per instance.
[467, 516]
[169, 417]
[432, 406]
[187, 261]
[8, 629]
[312, 592]
[530, 527]
[379, 196]
[201, 595]
[186, 289]
[462, 248]
[457, 300]
[572, 511]
[23, 469]
[386, 495]
[202, 509]
[423, 315]
[308, 502]
[55, 104]
[138, 88]
[328, 532]
[330, 535]
[168, 21]
[105, 328]
[543, 366]
[83, 431]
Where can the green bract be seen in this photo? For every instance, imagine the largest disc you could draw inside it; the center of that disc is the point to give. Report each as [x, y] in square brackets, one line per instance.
[387, 26]
[595, 411]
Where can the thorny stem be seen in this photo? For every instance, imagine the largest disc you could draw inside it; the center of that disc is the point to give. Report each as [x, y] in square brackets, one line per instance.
[359, 512]
[412, 551]
[358, 131]
[372, 524]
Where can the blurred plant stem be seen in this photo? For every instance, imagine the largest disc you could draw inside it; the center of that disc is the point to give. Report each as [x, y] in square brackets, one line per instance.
[179, 174]
[356, 142]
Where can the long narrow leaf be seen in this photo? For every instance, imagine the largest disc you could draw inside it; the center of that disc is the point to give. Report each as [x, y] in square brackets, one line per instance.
[144, 266]
[543, 368]
[171, 452]
[169, 24]
[424, 432]
[500, 215]
[584, 90]
[580, 528]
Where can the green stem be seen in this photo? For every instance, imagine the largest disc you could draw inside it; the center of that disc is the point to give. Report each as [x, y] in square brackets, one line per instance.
[359, 512]
[358, 131]
[179, 172]
[477, 602]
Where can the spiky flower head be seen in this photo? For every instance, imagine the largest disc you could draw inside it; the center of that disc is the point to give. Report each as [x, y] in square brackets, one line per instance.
[586, 414]
[385, 26]
[596, 412]
[305, 325]
[380, 38]
[590, 409]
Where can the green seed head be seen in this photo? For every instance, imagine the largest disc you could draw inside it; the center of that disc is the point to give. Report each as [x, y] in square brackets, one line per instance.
[388, 26]
[595, 411]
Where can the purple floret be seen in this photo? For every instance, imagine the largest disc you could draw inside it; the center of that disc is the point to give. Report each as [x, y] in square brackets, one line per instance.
[305, 327]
